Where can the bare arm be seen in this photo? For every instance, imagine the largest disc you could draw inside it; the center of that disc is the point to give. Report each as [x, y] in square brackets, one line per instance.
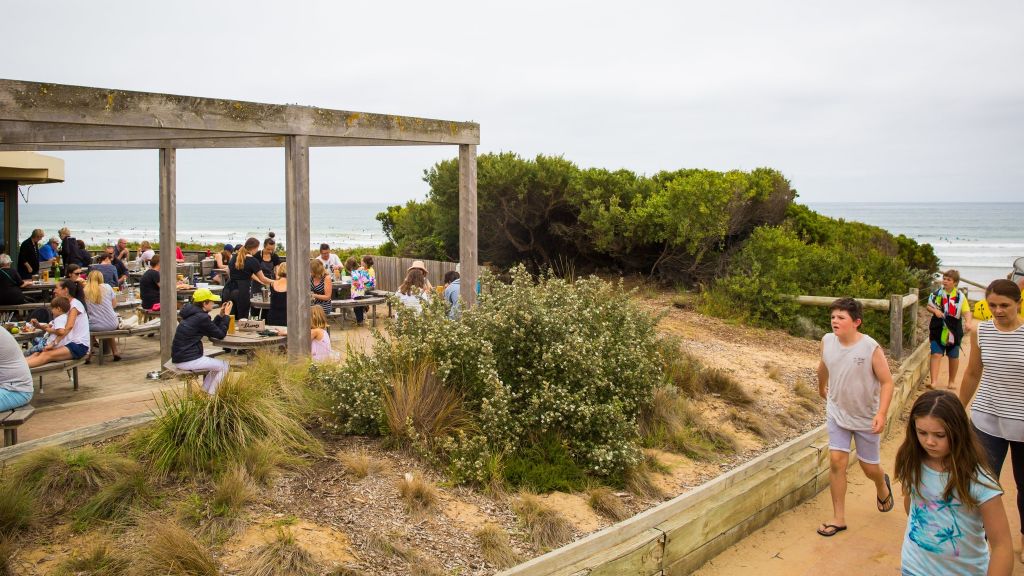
[61, 332]
[972, 376]
[997, 530]
[822, 373]
[261, 278]
[906, 500]
[881, 369]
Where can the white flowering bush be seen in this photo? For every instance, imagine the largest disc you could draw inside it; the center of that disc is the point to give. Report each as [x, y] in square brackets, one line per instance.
[535, 359]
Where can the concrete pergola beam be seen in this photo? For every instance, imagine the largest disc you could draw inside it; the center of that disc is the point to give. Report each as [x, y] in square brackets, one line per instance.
[41, 116]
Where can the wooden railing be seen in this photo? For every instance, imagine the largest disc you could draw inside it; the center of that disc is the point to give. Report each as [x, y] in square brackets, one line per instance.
[895, 305]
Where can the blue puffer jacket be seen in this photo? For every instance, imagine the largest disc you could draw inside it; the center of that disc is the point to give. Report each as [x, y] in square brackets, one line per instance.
[188, 339]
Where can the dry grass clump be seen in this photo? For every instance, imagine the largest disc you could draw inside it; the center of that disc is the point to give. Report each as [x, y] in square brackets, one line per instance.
[6, 555]
[607, 504]
[495, 546]
[116, 501]
[753, 422]
[720, 382]
[98, 561]
[361, 464]
[670, 422]
[232, 490]
[415, 400]
[773, 370]
[420, 495]
[809, 399]
[282, 557]
[546, 526]
[17, 508]
[388, 545]
[345, 570]
[639, 481]
[61, 479]
[169, 549]
[263, 461]
[681, 368]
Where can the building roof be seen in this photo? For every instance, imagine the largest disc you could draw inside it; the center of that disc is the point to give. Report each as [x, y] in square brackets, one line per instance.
[31, 168]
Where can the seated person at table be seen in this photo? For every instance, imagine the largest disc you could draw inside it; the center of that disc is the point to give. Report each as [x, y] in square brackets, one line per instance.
[329, 259]
[106, 269]
[187, 347]
[28, 255]
[100, 299]
[278, 313]
[320, 338]
[149, 284]
[85, 255]
[121, 250]
[73, 337]
[146, 253]
[15, 377]
[451, 293]
[415, 290]
[11, 283]
[178, 256]
[361, 282]
[219, 274]
[119, 266]
[74, 272]
[48, 252]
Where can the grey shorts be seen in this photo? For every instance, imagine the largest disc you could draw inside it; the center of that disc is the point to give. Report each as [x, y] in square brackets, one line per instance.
[869, 445]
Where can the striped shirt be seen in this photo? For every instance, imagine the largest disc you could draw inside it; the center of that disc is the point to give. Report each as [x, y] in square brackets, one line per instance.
[998, 408]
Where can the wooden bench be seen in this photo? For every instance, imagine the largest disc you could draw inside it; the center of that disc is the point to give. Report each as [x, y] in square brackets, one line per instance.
[11, 419]
[340, 306]
[383, 294]
[140, 330]
[69, 366]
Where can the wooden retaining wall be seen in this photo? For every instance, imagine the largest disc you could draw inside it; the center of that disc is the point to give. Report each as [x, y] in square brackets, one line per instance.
[680, 535]
[77, 437]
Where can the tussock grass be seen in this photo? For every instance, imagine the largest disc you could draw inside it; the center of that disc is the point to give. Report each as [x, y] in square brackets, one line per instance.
[62, 479]
[774, 371]
[282, 557]
[98, 561]
[194, 431]
[232, 490]
[496, 547]
[639, 481]
[718, 381]
[805, 391]
[116, 501]
[670, 422]
[17, 508]
[287, 380]
[754, 422]
[419, 494]
[6, 555]
[545, 525]
[607, 504]
[360, 464]
[169, 550]
[425, 568]
[388, 545]
[415, 400]
[344, 570]
[681, 368]
[264, 460]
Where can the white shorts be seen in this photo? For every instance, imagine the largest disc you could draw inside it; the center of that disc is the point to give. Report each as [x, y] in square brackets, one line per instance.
[869, 444]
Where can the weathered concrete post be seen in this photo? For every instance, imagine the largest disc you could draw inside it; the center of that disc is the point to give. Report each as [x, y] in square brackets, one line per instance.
[168, 263]
[468, 255]
[297, 235]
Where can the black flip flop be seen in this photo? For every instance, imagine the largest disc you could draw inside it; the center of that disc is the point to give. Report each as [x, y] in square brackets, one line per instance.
[887, 504]
[830, 530]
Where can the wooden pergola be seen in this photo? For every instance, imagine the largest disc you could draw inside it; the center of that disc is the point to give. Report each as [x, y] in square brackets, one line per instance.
[56, 117]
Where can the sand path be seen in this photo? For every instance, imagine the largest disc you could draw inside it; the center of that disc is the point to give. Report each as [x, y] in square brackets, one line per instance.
[789, 546]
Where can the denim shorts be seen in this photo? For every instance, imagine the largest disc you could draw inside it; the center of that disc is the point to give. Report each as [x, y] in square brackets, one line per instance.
[77, 350]
[952, 351]
[869, 444]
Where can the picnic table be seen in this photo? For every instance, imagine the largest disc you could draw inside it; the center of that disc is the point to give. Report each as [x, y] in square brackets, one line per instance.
[186, 293]
[27, 334]
[9, 311]
[127, 304]
[250, 341]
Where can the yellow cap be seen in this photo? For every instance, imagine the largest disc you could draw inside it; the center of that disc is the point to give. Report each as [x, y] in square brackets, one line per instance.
[204, 294]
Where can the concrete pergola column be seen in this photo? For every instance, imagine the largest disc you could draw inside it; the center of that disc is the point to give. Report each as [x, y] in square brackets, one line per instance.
[468, 255]
[297, 235]
[168, 263]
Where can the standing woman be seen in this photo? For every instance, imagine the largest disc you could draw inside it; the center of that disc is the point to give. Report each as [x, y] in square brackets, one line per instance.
[99, 298]
[269, 260]
[278, 313]
[996, 371]
[245, 270]
[320, 285]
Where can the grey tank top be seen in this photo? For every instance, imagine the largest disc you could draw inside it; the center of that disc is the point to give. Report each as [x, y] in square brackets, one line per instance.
[853, 389]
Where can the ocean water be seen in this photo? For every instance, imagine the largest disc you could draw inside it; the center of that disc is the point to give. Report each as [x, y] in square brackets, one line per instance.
[980, 240]
[337, 224]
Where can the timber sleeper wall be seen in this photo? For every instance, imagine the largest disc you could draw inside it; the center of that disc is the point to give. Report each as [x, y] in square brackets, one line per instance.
[680, 535]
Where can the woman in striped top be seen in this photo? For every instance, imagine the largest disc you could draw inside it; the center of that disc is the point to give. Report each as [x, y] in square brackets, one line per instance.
[996, 371]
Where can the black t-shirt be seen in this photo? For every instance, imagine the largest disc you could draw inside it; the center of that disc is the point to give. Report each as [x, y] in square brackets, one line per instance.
[149, 288]
[269, 266]
[243, 278]
[10, 287]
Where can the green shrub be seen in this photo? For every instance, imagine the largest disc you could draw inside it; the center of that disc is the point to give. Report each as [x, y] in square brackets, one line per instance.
[535, 359]
[543, 466]
[195, 431]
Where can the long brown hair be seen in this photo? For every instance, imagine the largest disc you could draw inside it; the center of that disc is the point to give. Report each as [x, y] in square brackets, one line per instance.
[414, 277]
[966, 456]
[250, 246]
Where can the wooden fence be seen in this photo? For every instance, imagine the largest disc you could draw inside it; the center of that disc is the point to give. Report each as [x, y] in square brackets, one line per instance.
[895, 305]
[391, 271]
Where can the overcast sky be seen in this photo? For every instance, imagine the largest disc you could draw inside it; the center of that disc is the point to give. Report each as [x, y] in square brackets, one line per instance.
[867, 101]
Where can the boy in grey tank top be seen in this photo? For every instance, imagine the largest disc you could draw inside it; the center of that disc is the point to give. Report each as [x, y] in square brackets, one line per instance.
[854, 378]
